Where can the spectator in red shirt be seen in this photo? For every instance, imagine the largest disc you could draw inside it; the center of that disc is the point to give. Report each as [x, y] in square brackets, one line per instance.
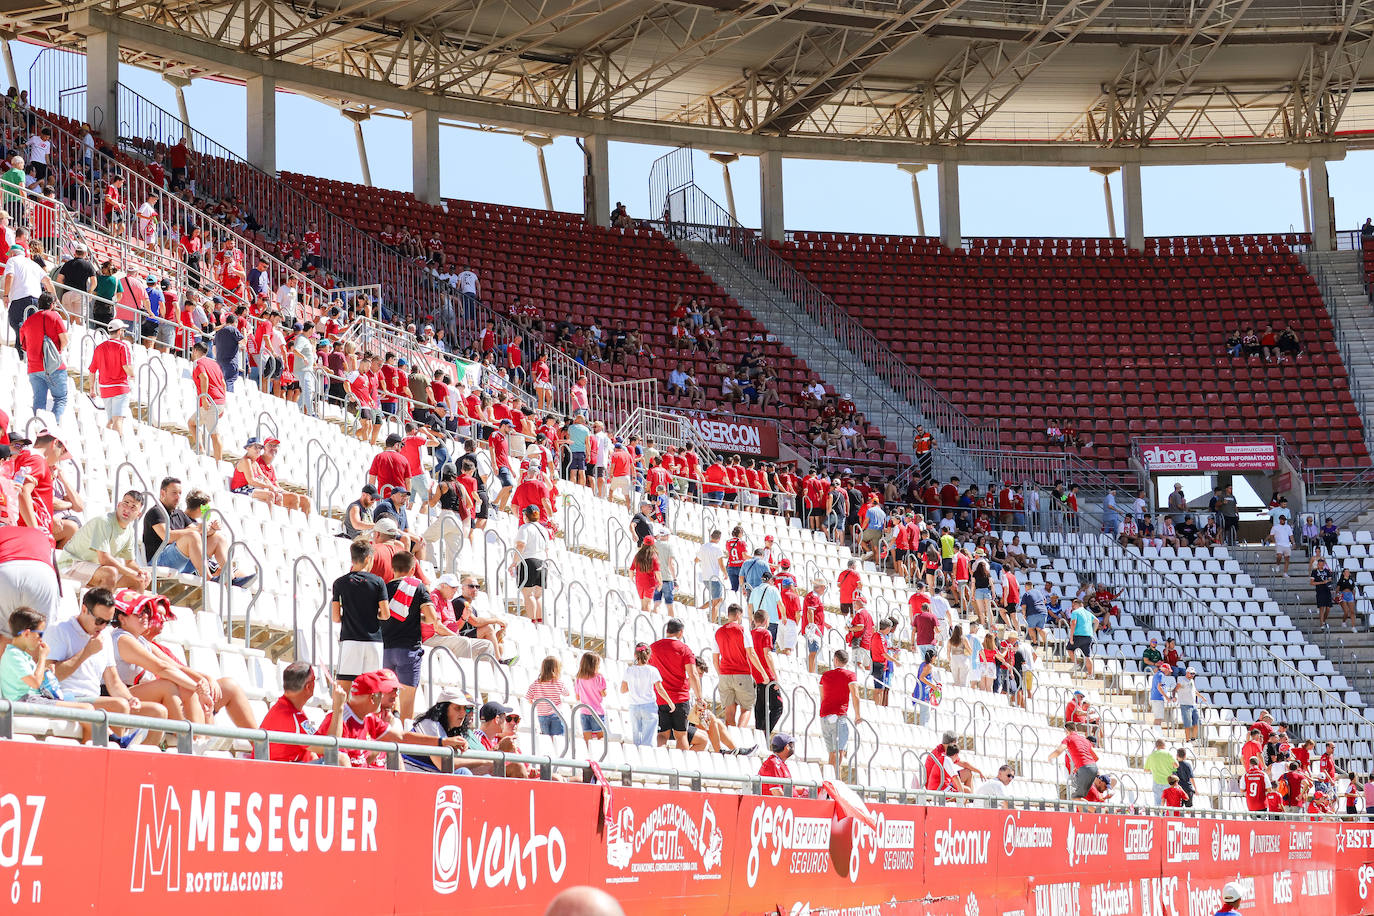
[112, 365]
[1295, 785]
[775, 767]
[813, 622]
[42, 326]
[736, 664]
[359, 718]
[1082, 760]
[767, 691]
[839, 688]
[1265, 725]
[1256, 785]
[1173, 795]
[1254, 747]
[1103, 787]
[288, 714]
[208, 380]
[860, 633]
[849, 581]
[390, 467]
[677, 665]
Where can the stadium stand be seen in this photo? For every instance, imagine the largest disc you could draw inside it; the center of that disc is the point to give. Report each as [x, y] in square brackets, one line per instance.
[1054, 298]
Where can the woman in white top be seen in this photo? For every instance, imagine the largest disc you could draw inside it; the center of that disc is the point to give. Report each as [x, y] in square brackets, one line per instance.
[153, 675]
[531, 550]
[644, 684]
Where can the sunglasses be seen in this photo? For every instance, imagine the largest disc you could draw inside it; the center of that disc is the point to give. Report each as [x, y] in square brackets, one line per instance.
[513, 718]
[101, 621]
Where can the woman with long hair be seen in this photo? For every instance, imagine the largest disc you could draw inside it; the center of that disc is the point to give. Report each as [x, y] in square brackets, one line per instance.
[644, 684]
[548, 686]
[590, 688]
[648, 573]
[960, 655]
[987, 662]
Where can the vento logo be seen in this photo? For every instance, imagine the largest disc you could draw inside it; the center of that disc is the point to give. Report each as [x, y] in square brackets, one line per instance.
[1182, 842]
[1156, 456]
[1083, 845]
[961, 847]
[1015, 836]
[1140, 839]
[1261, 843]
[448, 838]
[1225, 846]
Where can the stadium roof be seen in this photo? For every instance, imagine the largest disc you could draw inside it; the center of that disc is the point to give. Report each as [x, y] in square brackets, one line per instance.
[800, 76]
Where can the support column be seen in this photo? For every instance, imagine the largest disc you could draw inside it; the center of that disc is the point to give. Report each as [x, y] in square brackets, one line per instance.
[947, 181]
[179, 85]
[102, 84]
[596, 181]
[725, 159]
[10, 73]
[1106, 172]
[914, 169]
[1301, 169]
[1323, 232]
[1133, 206]
[358, 116]
[770, 196]
[262, 122]
[539, 141]
[424, 156]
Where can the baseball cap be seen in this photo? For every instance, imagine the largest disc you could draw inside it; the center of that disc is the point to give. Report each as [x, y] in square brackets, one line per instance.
[252, 442]
[768, 538]
[386, 526]
[272, 441]
[785, 563]
[1078, 693]
[369, 489]
[116, 325]
[492, 710]
[1165, 669]
[381, 681]
[780, 741]
[454, 696]
[394, 439]
[450, 580]
[1191, 670]
[388, 489]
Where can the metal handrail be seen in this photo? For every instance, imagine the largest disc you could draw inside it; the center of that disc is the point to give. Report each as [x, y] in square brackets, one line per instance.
[497, 666]
[434, 652]
[314, 621]
[534, 715]
[575, 717]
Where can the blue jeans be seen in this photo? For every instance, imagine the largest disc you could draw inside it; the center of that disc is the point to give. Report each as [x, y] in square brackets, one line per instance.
[169, 556]
[46, 383]
[440, 458]
[644, 723]
[307, 402]
[550, 724]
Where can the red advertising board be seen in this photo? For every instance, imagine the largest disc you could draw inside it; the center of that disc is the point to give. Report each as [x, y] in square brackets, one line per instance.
[737, 435]
[1256, 455]
[93, 831]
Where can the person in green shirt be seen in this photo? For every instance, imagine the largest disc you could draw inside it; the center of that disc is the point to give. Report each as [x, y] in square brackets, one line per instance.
[1152, 656]
[1161, 765]
[24, 665]
[101, 553]
[13, 181]
[108, 289]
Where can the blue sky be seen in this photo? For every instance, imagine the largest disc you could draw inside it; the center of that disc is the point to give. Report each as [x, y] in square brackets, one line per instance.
[838, 196]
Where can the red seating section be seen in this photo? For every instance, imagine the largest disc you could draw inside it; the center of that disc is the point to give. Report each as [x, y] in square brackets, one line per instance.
[1118, 344]
[583, 273]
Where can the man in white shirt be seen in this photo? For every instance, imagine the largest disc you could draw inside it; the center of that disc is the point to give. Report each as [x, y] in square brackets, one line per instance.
[677, 381]
[600, 475]
[997, 786]
[39, 147]
[941, 609]
[24, 282]
[84, 662]
[147, 220]
[710, 562]
[1281, 534]
[303, 351]
[527, 565]
[287, 298]
[469, 290]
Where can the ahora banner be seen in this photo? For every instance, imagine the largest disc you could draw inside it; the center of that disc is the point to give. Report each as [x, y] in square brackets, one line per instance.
[95, 831]
[1258, 455]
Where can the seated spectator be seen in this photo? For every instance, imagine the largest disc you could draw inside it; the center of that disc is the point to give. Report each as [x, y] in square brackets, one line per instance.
[102, 553]
[1290, 346]
[459, 629]
[1330, 534]
[357, 716]
[25, 675]
[448, 724]
[184, 550]
[248, 478]
[83, 663]
[1234, 343]
[154, 675]
[783, 747]
[287, 715]
[1103, 788]
[266, 459]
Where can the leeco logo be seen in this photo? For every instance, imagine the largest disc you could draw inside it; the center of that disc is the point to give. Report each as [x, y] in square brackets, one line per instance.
[448, 838]
[157, 839]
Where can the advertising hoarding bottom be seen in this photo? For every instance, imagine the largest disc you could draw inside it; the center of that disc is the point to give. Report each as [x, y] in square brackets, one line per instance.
[94, 831]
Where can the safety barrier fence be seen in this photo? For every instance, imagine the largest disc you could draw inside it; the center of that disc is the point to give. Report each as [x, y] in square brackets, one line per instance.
[224, 833]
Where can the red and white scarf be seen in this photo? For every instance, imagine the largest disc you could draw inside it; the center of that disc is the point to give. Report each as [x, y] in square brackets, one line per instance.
[399, 605]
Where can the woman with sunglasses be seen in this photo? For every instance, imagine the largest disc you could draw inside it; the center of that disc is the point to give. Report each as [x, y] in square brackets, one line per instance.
[151, 672]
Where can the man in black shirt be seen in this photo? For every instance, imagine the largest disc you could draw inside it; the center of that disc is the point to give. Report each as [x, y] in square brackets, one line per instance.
[642, 524]
[358, 606]
[1186, 530]
[79, 275]
[1184, 772]
[182, 550]
[408, 608]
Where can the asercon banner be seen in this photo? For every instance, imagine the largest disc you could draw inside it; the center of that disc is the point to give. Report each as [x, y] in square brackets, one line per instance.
[737, 435]
[1258, 455]
[94, 831]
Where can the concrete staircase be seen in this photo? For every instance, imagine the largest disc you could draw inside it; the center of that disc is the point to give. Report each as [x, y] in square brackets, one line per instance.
[1340, 276]
[1352, 653]
[839, 367]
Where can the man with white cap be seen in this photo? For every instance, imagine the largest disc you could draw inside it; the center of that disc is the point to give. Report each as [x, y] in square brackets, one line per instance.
[112, 364]
[1231, 897]
[1188, 698]
[456, 628]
